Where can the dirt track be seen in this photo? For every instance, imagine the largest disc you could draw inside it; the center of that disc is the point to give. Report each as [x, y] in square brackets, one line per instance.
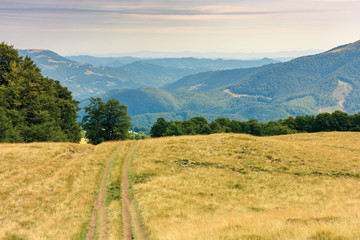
[132, 226]
[125, 197]
[131, 221]
[98, 222]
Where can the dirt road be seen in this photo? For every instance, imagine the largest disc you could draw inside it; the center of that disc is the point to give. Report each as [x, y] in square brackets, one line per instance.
[98, 222]
[132, 225]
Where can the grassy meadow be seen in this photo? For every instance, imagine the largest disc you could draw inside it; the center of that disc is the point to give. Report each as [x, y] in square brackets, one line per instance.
[231, 186]
[48, 189]
[221, 186]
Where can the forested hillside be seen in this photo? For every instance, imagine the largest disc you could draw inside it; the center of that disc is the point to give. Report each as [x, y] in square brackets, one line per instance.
[307, 85]
[88, 76]
[84, 80]
[207, 81]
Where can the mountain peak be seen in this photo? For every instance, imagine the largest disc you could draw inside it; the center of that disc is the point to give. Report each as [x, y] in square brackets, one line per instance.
[355, 46]
[36, 50]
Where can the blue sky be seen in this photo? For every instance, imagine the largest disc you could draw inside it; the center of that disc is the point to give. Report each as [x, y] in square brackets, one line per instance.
[98, 27]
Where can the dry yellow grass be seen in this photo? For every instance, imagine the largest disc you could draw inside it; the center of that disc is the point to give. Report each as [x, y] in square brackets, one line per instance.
[225, 186]
[48, 189]
[114, 208]
[229, 186]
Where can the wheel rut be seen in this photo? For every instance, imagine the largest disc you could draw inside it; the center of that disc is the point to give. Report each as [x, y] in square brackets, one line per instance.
[98, 225]
[132, 226]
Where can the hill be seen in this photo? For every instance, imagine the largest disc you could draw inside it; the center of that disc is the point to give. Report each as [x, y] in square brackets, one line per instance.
[189, 63]
[158, 75]
[103, 61]
[204, 64]
[330, 78]
[240, 187]
[146, 104]
[307, 85]
[87, 76]
[222, 186]
[207, 81]
[83, 80]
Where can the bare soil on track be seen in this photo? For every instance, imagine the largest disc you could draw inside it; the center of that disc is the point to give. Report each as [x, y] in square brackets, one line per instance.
[132, 226]
[98, 225]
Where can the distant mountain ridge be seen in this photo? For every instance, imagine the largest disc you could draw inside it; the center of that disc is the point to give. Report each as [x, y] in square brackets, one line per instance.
[307, 85]
[85, 79]
[82, 79]
[207, 81]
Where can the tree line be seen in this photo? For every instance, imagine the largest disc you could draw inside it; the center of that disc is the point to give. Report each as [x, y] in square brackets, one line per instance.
[323, 122]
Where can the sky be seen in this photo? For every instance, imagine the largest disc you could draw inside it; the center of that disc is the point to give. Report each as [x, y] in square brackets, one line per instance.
[115, 26]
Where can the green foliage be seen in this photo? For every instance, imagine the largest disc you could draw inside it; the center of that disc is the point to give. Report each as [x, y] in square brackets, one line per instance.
[33, 107]
[303, 86]
[159, 128]
[337, 121]
[125, 72]
[114, 191]
[106, 121]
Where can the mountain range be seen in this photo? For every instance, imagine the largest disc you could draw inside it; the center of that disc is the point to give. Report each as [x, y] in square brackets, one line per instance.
[88, 76]
[306, 85]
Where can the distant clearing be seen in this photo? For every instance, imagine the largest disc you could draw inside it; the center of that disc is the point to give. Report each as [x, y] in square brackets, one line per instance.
[236, 95]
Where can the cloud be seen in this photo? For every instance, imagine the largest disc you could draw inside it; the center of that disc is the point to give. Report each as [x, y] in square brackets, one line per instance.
[152, 11]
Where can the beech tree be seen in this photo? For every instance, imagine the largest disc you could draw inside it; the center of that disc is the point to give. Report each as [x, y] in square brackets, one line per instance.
[106, 121]
[159, 128]
[33, 107]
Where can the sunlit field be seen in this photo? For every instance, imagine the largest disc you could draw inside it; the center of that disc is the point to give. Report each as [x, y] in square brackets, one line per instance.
[229, 186]
[222, 186]
[48, 189]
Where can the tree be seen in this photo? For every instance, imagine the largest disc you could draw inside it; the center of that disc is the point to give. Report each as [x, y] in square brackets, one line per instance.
[106, 121]
[274, 128]
[253, 127]
[322, 122]
[236, 126]
[174, 129]
[159, 128]
[220, 125]
[340, 121]
[36, 108]
[195, 125]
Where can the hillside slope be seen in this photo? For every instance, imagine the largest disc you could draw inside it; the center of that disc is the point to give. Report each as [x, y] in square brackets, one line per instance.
[92, 76]
[82, 79]
[322, 76]
[207, 81]
[307, 85]
[48, 189]
[221, 186]
[229, 186]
